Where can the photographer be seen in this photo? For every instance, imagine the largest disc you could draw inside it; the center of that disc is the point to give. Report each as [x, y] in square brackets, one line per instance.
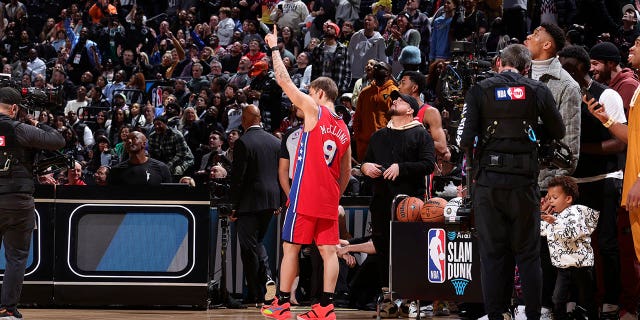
[18, 144]
[499, 114]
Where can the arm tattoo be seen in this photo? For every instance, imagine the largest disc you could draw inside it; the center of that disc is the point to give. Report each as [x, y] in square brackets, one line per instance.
[282, 75]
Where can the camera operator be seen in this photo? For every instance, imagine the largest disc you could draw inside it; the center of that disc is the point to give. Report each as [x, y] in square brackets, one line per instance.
[18, 144]
[500, 112]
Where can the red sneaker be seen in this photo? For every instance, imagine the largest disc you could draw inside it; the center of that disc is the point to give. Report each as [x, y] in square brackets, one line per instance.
[319, 312]
[277, 311]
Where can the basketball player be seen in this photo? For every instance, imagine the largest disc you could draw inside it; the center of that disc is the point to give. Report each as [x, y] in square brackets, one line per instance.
[321, 173]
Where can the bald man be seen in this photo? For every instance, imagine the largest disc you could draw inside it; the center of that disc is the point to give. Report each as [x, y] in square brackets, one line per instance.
[139, 169]
[255, 195]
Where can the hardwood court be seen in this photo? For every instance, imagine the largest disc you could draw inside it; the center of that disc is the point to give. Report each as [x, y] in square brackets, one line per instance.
[119, 314]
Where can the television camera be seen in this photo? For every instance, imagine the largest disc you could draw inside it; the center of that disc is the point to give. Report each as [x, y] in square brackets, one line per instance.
[35, 100]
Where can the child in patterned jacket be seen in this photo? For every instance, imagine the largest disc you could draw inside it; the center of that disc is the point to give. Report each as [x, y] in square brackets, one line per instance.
[568, 229]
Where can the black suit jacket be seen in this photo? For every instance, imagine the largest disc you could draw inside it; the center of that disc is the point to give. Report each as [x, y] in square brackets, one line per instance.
[254, 172]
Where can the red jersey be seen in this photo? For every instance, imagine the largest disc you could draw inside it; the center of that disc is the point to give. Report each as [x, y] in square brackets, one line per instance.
[315, 189]
[420, 115]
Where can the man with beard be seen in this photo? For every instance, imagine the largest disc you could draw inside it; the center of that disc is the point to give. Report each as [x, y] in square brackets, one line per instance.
[330, 59]
[373, 103]
[606, 69]
[398, 158]
[168, 145]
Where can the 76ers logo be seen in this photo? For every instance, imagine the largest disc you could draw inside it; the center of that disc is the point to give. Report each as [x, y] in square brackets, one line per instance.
[2, 143]
[436, 269]
[510, 93]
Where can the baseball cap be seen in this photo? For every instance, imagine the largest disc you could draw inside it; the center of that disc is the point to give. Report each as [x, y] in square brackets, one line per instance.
[628, 7]
[257, 68]
[395, 94]
[10, 95]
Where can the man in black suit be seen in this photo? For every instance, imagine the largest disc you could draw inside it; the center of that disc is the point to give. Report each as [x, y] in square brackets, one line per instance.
[255, 195]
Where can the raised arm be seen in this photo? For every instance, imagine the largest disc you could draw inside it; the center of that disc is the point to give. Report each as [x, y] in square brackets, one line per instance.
[301, 100]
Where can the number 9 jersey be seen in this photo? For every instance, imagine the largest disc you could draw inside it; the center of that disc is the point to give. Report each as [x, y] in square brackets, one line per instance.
[315, 189]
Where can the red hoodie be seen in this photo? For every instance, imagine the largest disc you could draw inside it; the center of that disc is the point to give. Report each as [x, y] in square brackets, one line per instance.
[625, 83]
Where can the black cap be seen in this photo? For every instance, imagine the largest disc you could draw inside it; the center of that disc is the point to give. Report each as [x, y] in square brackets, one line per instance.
[395, 94]
[10, 95]
[605, 51]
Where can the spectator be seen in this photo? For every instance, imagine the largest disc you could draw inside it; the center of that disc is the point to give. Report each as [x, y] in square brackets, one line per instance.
[139, 169]
[225, 27]
[441, 30]
[102, 9]
[85, 136]
[289, 13]
[198, 80]
[264, 90]
[373, 105]
[168, 145]
[366, 44]
[290, 42]
[402, 34]
[74, 175]
[331, 59]
[101, 176]
[35, 65]
[79, 102]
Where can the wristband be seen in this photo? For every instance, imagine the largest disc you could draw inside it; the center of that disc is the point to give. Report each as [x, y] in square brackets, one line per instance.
[275, 48]
[609, 123]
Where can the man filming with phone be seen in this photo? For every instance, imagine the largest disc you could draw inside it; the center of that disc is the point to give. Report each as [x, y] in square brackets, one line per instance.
[599, 170]
[289, 13]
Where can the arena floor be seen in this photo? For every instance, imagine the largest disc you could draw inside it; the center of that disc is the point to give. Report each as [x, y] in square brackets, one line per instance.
[119, 314]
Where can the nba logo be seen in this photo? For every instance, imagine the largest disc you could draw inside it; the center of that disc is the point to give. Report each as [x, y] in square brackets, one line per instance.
[2, 144]
[436, 270]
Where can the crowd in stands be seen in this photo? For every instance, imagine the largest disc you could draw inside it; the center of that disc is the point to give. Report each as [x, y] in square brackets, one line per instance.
[181, 72]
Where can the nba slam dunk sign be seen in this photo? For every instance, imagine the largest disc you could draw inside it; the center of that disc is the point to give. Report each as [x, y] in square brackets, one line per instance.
[450, 258]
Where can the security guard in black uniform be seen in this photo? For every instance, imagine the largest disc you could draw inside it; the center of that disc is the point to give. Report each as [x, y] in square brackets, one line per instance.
[18, 144]
[501, 121]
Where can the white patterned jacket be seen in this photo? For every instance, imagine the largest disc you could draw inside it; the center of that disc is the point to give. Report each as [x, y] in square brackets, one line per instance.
[569, 237]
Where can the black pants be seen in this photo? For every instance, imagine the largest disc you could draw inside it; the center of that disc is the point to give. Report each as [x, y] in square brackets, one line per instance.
[508, 225]
[581, 280]
[251, 228]
[604, 196]
[16, 227]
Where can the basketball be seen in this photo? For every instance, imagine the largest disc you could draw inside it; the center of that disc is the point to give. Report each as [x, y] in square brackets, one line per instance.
[408, 210]
[433, 210]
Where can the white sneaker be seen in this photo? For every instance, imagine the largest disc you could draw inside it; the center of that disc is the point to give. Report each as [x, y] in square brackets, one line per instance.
[413, 311]
[545, 314]
[519, 314]
[485, 317]
[270, 291]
